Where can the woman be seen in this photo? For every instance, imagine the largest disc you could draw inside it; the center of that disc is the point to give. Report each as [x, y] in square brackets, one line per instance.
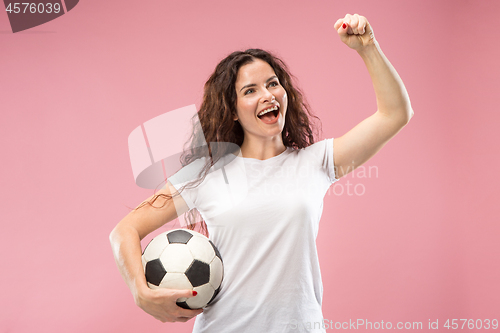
[266, 227]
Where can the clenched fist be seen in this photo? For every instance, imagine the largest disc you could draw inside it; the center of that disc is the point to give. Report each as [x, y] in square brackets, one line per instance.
[355, 31]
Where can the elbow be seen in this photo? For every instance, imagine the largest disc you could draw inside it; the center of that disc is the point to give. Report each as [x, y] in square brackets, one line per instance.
[113, 235]
[406, 112]
[113, 243]
[400, 115]
[115, 239]
[409, 115]
[403, 118]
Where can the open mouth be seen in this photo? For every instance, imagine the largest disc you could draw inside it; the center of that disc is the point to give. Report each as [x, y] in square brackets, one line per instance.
[269, 116]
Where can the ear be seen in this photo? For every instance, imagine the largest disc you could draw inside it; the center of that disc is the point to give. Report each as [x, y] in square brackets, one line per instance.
[235, 116]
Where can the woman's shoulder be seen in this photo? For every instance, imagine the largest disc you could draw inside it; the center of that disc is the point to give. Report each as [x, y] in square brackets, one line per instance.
[317, 147]
[320, 154]
[189, 172]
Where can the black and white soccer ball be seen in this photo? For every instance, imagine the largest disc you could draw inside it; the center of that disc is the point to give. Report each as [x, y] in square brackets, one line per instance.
[184, 259]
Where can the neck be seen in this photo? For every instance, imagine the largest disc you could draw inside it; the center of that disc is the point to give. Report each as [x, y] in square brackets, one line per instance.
[262, 150]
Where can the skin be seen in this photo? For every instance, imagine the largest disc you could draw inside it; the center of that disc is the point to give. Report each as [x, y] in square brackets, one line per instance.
[394, 109]
[263, 141]
[126, 245]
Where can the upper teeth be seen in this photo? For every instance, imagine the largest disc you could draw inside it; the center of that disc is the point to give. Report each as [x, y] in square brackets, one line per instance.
[268, 110]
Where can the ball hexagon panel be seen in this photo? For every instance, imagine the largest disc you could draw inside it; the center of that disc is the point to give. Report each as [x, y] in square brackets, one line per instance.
[201, 249]
[205, 293]
[154, 249]
[175, 281]
[155, 272]
[216, 272]
[215, 294]
[198, 273]
[176, 258]
[179, 236]
[217, 253]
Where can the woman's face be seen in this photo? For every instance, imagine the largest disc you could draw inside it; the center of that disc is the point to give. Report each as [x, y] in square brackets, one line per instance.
[258, 89]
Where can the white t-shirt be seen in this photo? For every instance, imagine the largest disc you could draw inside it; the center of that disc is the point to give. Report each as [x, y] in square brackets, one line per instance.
[263, 216]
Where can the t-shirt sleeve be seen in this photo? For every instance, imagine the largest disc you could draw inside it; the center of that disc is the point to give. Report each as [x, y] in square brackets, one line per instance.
[185, 176]
[322, 152]
[328, 162]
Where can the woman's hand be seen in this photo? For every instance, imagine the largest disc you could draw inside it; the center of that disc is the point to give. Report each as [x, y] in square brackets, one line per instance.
[160, 303]
[355, 31]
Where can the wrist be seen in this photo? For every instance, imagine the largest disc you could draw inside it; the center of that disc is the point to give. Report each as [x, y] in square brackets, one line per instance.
[140, 289]
[370, 50]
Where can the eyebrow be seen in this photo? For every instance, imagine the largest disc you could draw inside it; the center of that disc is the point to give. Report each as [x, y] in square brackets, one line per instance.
[253, 84]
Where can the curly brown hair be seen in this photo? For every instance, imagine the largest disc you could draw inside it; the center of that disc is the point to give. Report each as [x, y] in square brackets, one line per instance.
[216, 123]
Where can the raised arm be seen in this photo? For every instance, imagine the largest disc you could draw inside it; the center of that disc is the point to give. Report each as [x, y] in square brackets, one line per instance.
[394, 110]
[125, 243]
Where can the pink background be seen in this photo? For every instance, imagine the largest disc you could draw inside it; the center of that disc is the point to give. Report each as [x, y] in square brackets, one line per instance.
[421, 243]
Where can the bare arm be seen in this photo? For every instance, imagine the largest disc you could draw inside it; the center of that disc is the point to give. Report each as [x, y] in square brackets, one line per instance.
[394, 109]
[125, 243]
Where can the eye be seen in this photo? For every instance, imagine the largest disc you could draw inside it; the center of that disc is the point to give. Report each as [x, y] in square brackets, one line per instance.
[275, 83]
[248, 91]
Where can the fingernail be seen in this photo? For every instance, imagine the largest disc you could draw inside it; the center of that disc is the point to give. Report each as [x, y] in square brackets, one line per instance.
[195, 293]
[344, 26]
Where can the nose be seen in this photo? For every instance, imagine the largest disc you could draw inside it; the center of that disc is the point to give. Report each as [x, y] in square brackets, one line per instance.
[268, 96]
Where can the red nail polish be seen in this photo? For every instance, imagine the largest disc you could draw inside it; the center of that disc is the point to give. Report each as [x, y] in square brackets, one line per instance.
[195, 293]
[344, 25]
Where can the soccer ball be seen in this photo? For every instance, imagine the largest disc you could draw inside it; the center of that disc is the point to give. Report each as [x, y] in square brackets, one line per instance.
[184, 259]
